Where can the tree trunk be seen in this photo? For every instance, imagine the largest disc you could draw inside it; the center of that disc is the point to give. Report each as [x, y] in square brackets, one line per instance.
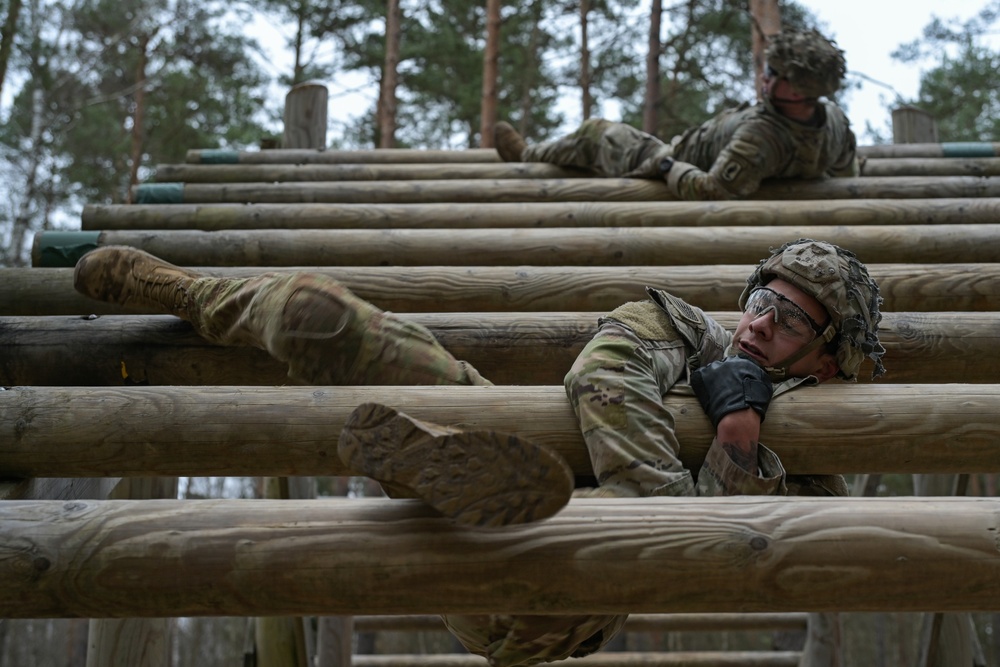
[490, 58]
[652, 97]
[138, 116]
[7, 38]
[387, 96]
[586, 100]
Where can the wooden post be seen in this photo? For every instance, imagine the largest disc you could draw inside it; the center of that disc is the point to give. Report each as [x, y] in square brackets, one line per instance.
[911, 125]
[305, 116]
[490, 57]
[137, 642]
[766, 22]
[387, 90]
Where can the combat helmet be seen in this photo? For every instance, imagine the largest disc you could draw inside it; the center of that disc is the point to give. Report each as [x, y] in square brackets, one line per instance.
[813, 65]
[838, 280]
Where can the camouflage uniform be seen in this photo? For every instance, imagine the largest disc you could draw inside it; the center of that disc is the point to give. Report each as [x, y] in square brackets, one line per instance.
[327, 335]
[726, 157]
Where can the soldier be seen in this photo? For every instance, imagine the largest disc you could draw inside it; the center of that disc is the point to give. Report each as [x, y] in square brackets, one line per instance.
[810, 312]
[790, 133]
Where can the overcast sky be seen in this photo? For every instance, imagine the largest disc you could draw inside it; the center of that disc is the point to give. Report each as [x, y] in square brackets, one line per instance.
[868, 31]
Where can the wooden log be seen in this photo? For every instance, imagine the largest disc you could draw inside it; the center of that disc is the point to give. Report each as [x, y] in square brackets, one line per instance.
[215, 217]
[574, 189]
[299, 173]
[309, 557]
[292, 431]
[413, 155]
[720, 622]
[983, 166]
[617, 246]
[602, 659]
[904, 287]
[931, 150]
[289, 156]
[305, 116]
[286, 173]
[507, 348]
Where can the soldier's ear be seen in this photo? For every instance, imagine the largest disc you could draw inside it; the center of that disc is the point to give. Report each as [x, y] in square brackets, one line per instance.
[826, 367]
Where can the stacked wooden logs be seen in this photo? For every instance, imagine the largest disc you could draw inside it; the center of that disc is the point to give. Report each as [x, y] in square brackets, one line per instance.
[510, 266]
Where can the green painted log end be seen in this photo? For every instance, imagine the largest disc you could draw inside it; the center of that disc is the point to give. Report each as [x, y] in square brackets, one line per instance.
[60, 249]
[968, 149]
[159, 193]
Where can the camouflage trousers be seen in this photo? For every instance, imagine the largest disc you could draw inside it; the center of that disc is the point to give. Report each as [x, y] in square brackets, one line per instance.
[605, 148]
[322, 331]
[327, 335]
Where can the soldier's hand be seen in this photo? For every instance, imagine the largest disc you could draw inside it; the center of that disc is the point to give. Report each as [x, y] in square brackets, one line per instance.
[731, 384]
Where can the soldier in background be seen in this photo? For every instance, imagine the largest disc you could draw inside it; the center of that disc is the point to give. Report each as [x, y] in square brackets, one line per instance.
[790, 133]
[810, 313]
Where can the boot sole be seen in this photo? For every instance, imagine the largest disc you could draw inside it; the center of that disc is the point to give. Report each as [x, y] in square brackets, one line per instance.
[477, 478]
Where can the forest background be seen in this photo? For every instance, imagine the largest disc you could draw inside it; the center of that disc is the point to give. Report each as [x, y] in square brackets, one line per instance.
[96, 93]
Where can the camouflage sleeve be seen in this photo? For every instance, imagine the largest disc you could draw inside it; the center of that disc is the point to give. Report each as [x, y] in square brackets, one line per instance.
[720, 476]
[752, 155]
[847, 164]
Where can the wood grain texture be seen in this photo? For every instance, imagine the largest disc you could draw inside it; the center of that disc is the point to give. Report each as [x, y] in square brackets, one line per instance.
[328, 156]
[292, 431]
[215, 217]
[575, 189]
[253, 557]
[904, 287]
[507, 348]
[616, 246]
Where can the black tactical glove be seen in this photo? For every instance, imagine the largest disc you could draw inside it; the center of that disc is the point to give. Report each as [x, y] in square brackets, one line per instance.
[732, 384]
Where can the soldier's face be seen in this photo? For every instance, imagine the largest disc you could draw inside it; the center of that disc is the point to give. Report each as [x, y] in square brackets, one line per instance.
[780, 90]
[763, 339]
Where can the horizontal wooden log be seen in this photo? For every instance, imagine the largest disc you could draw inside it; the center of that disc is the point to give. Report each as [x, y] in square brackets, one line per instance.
[214, 217]
[299, 173]
[617, 246]
[410, 155]
[602, 659]
[508, 348]
[904, 287]
[931, 150]
[981, 166]
[292, 431]
[338, 557]
[48, 488]
[573, 189]
[327, 156]
[720, 622]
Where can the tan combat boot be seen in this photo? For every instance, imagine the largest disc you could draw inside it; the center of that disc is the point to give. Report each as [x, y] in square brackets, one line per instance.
[478, 478]
[130, 277]
[509, 144]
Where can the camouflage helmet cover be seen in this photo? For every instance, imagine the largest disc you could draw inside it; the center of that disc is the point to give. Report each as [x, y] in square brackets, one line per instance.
[813, 65]
[838, 280]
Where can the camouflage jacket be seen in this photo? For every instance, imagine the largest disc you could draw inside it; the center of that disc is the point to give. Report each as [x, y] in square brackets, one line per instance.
[729, 155]
[665, 316]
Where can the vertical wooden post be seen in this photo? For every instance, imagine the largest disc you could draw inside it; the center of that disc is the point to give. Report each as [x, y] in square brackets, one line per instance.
[946, 640]
[911, 125]
[766, 17]
[137, 642]
[387, 91]
[281, 640]
[305, 116]
[490, 58]
[652, 96]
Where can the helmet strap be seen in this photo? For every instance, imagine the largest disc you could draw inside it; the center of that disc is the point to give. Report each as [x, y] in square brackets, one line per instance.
[779, 371]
